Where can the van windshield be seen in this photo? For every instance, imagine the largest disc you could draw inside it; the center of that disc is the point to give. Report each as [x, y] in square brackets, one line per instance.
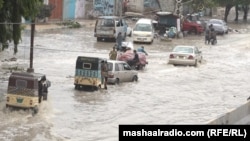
[106, 22]
[143, 27]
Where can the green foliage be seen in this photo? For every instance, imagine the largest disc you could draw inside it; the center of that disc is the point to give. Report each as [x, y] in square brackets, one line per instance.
[1, 4]
[11, 13]
[70, 24]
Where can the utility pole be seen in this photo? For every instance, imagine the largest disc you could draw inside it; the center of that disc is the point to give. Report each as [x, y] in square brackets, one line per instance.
[32, 33]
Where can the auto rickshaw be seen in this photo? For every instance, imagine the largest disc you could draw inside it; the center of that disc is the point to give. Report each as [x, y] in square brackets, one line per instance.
[88, 72]
[27, 90]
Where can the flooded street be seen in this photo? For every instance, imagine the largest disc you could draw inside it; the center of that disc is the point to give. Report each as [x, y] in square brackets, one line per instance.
[164, 94]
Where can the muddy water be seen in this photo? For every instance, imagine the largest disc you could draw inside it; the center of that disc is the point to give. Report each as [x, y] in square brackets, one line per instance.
[164, 94]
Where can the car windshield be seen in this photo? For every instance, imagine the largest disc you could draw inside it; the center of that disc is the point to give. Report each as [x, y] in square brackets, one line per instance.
[143, 27]
[183, 50]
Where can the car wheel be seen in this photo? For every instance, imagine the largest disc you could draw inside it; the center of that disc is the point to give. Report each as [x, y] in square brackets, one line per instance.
[135, 78]
[34, 110]
[117, 81]
[196, 63]
[98, 39]
[201, 60]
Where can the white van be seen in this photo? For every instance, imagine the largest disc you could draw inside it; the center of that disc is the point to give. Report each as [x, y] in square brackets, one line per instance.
[143, 31]
[108, 27]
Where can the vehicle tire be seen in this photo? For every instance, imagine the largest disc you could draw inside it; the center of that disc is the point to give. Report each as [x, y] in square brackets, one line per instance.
[98, 39]
[151, 41]
[35, 110]
[196, 63]
[117, 81]
[135, 78]
[193, 30]
[201, 60]
[77, 87]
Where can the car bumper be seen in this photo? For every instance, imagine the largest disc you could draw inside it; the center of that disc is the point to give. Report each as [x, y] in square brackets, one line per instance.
[181, 62]
[142, 39]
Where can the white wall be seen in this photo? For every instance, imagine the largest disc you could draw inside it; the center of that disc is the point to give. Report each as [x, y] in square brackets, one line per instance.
[240, 115]
[80, 9]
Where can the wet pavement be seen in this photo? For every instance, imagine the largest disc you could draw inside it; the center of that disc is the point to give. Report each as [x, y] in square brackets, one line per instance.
[164, 94]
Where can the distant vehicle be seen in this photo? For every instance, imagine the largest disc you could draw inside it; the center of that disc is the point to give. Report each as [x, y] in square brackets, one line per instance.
[88, 72]
[108, 27]
[197, 18]
[23, 90]
[220, 26]
[192, 27]
[144, 31]
[166, 20]
[185, 55]
[120, 71]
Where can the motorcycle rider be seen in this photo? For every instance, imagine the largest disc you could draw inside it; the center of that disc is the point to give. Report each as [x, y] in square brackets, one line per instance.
[135, 60]
[141, 49]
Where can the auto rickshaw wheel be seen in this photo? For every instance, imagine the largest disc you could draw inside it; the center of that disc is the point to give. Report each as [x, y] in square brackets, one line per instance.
[34, 110]
[135, 78]
[117, 81]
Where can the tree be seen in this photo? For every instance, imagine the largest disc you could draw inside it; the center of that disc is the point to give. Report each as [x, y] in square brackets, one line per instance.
[11, 14]
[231, 3]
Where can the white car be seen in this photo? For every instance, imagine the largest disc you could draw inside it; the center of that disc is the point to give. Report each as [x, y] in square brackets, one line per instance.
[185, 55]
[220, 26]
[120, 71]
[144, 31]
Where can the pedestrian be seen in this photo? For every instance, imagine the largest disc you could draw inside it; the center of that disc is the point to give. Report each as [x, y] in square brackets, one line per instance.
[113, 54]
[104, 73]
[136, 58]
[207, 40]
[119, 41]
[141, 49]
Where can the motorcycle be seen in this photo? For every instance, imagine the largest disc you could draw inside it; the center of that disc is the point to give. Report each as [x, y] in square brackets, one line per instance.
[128, 56]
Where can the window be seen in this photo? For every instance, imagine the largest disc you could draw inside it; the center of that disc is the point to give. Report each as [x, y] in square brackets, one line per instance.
[110, 66]
[116, 67]
[126, 67]
[86, 66]
[21, 83]
[121, 68]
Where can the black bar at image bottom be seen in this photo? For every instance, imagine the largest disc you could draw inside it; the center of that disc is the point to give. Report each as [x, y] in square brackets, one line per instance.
[198, 132]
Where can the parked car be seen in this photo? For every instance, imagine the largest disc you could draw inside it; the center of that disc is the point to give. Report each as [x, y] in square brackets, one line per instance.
[108, 27]
[120, 71]
[144, 31]
[185, 55]
[220, 26]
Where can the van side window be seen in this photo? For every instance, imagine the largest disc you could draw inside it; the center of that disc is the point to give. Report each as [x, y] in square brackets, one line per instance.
[118, 23]
[116, 67]
[110, 66]
[121, 68]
